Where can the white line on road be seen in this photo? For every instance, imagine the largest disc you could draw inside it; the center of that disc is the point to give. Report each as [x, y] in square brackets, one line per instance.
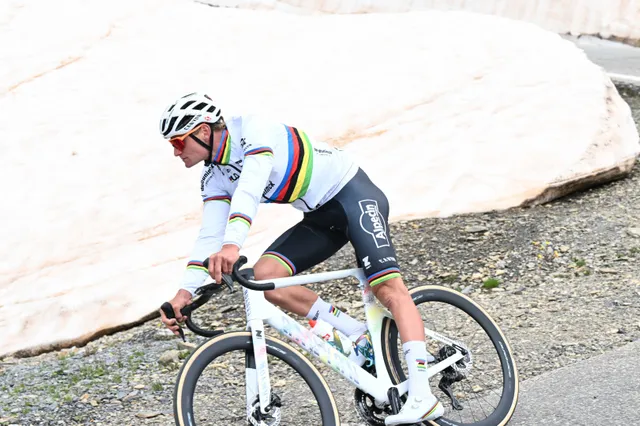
[624, 77]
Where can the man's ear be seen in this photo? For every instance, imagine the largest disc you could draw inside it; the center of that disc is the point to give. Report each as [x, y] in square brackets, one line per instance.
[205, 132]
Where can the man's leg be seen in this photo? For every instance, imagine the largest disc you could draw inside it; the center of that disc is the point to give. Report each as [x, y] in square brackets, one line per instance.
[301, 247]
[367, 211]
[393, 294]
[298, 299]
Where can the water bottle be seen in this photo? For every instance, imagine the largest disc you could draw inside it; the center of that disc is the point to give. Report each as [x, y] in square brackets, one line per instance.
[337, 339]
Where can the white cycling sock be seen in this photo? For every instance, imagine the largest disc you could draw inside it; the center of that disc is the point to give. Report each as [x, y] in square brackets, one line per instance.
[336, 318]
[415, 353]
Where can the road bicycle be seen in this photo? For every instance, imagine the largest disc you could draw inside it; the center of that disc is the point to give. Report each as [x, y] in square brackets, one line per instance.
[478, 381]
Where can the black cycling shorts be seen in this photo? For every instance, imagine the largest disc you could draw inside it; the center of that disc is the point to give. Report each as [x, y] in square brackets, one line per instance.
[359, 213]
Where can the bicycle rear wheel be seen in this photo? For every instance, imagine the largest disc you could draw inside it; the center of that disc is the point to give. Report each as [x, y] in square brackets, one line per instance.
[211, 385]
[486, 382]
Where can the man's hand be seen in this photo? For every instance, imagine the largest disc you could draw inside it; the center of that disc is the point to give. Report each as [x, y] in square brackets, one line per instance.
[179, 301]
[223, 261]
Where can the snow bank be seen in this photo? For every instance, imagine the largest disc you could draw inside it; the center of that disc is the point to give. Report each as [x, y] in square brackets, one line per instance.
[99, 217]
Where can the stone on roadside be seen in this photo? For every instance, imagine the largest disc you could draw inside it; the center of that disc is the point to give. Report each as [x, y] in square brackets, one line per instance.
[474, 229]
[148, 414]
[634, 232]
[170, 357]
[186, 345]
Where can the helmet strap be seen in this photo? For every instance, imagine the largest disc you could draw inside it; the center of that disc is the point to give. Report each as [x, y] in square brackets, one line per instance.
[204, 145]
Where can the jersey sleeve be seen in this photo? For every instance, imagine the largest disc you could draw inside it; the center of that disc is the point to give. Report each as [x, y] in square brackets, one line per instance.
[214, 222]
[257, 147]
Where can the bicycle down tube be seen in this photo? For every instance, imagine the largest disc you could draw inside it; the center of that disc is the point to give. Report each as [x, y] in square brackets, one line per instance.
[259, 310]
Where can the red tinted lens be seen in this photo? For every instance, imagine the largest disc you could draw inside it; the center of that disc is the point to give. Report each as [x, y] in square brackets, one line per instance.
[177, 143]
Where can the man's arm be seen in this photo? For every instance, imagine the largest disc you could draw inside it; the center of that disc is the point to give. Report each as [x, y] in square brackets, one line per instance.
[215, 212]
[258, 163]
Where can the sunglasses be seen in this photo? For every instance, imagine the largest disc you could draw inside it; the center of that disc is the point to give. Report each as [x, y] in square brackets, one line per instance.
[178, 141]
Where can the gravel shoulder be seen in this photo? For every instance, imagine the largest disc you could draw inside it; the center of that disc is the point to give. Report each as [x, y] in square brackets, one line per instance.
[568, 289]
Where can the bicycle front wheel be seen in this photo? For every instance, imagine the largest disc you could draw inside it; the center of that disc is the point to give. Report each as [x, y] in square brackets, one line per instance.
[484, 384]
[211, 390]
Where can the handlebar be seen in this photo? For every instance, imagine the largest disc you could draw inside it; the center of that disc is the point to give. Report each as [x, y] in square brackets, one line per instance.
[206, 292]
[239, 276]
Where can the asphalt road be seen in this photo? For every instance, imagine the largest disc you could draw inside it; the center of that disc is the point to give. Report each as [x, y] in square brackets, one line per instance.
[603, 389]
[621, 61]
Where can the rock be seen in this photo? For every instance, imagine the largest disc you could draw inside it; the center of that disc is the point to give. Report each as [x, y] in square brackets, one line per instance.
[634, 232]
[473, 229]
[564, 249]
[148, 414]
[139, 387]
[130, 396]
[170, 357]
[164, 334]
[186, 345]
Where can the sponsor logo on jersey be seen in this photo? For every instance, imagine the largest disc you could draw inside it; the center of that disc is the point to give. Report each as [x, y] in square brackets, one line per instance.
[268, 188]
[387, 259]
[372, 222]
[206, 177]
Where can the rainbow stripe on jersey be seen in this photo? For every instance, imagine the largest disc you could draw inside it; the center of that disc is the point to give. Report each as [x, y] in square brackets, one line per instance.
[224, 150]
[239, 217]
[264, 150]
[224, 198]
[296, 180]
[197, 265]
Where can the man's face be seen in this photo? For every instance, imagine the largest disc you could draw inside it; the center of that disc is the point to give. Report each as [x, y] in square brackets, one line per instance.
[189, 151]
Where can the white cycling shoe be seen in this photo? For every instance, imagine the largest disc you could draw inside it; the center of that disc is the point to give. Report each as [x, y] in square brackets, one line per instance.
[417, 409]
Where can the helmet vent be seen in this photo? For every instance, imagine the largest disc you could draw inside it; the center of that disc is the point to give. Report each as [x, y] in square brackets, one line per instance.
[211, 108]
[200, 106]
[187, 104]
[186, 119]
[170, 126]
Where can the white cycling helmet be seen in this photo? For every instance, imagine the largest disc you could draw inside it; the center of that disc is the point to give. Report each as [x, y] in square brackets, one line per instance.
[186, 113]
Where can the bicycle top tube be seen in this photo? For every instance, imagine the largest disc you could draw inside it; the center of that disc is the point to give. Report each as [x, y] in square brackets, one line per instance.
[314, 278]
[271, 284]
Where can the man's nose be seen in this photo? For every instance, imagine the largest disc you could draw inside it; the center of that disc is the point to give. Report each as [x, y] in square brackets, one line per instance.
[176, 152]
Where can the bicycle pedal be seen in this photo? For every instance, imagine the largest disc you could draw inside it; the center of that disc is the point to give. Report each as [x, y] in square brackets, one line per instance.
[394, 400]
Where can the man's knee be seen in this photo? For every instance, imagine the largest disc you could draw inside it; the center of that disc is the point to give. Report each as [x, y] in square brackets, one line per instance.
[268, 268]
[390, 292]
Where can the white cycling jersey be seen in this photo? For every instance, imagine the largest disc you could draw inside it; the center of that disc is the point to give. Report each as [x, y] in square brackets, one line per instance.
[261, 161]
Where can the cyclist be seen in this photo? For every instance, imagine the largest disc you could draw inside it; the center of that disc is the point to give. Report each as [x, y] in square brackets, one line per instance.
[249, 160]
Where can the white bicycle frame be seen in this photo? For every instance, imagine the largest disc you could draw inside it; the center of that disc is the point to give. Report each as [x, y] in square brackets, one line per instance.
[259, 311]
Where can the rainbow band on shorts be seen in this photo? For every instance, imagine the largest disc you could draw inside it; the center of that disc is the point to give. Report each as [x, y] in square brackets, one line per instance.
[384, 275]
[282, 259]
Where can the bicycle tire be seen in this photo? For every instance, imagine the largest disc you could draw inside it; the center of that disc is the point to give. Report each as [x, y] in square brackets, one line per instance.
[206, 353]
[429, 293]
